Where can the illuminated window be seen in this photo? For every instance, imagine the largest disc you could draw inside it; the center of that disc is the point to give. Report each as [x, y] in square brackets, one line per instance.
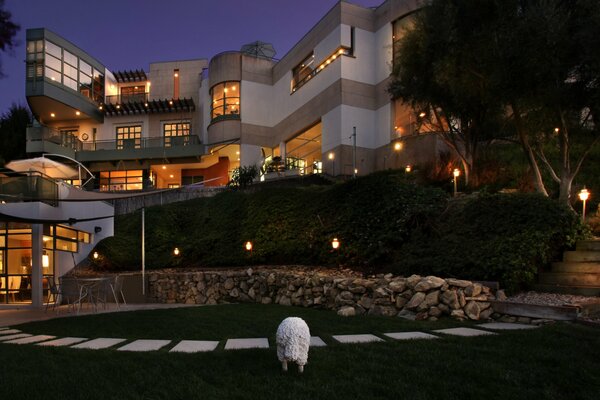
[399, 28]
[225, 100]
[176, 134]
[133, 94]
[62, 67]
[121, 180]
[129, 137]
[303, 70]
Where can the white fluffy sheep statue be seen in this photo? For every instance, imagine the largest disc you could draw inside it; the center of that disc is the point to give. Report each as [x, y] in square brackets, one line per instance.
[293, 341]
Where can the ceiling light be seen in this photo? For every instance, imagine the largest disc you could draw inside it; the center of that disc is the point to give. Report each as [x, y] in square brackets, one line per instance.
[171, 176]
[164, 167]
[77, 113]
[52, 115]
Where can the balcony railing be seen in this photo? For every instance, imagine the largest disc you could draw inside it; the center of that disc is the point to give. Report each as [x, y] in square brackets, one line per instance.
[44, 133]
[142, 143]
[127, 98]
[31, 187]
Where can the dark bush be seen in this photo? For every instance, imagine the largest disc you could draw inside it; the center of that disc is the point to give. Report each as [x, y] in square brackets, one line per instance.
[504, 237]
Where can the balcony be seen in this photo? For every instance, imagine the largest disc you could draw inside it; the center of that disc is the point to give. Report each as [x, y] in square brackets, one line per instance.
[145, 147]
[127, 98]
[42, 139]
[28, 188]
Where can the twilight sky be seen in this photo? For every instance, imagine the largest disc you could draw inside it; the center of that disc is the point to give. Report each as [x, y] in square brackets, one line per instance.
[130, 34]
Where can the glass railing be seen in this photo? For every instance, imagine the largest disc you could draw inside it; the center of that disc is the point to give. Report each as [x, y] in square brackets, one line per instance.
[142, 143]
[127, 98]
[64, 139]
[29, 187]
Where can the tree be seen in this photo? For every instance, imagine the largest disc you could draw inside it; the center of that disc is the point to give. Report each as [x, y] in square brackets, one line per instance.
[8, 30]
[534, 61]
[13, 128]
[438, 74]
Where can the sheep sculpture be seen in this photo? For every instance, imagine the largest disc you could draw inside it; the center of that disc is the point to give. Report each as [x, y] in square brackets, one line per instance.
[293, 342]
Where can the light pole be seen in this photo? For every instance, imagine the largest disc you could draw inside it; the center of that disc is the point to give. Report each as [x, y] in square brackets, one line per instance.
[456, 174]
[583, 196]
[354, 170]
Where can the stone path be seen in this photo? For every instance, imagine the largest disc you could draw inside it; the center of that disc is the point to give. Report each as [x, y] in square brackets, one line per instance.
[15, 336]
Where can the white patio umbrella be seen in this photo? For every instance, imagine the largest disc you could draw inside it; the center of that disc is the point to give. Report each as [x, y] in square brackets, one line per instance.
[46, 166]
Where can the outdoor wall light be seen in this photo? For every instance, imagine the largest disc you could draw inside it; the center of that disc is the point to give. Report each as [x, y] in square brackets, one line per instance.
[176, 251]
[248, 246]
[408, 168]
[335, 244]
[422, 114]
[584, 195]
[397, 146]
[331, 156]
[95, 255]
[456, 174]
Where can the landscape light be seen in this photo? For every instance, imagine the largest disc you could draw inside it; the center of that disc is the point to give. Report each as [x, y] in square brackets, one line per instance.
[95, 255]
[584, 195]
[456, 174]
[397, 146]
[176, 251]
[335, 243]
[248, 246]
[408, 168]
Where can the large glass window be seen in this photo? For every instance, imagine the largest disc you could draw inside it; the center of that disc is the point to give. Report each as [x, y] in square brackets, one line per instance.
[225, 100]
[47, 59]
[133, 94]
[301, 71]
[121, 180]
[399, 28]
[176, 133]
[129, 137]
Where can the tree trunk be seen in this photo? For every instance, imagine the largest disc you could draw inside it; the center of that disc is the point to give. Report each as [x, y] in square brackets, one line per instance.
[538, 182]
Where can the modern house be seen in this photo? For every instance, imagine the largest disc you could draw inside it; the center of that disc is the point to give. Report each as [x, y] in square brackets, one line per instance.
[323, 107]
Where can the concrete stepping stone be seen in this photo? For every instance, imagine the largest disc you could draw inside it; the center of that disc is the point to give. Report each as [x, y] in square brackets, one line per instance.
[251, 343]
[363, 338]
[66, 341]
[15, 336]
[97, 344]
[506, 326]
[194, 346]
[144, 345]
[31, 339]
[464, 332]
[410, 335]
[4, 328]
[316, 341]
[9, 331]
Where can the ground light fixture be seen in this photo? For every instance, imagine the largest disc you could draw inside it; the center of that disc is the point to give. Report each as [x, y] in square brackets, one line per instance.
[584, 195]
[95, 255]
[335, 244]
[248, 246]
[456, 174]
[408, 168]
[176, 251]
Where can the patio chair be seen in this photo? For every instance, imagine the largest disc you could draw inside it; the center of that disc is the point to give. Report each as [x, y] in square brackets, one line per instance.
[14, 286]
[54, 294]
[117, 289]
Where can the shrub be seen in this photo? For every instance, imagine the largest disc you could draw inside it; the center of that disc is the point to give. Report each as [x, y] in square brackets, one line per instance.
[493, 237]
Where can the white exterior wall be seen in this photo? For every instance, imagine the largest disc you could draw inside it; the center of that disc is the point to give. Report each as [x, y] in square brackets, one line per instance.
[383, 52]
[361, 68]
[108, 130]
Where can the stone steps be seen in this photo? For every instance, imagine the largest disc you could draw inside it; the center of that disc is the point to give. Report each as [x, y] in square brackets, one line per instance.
[578, 273]
[582, 256]
[570, 279]
[575, 290]
[588, 245]
[570, 266]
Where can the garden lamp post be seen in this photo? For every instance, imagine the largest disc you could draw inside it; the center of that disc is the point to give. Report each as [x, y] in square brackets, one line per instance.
[456, 174]
[335, 244]
[583, 196]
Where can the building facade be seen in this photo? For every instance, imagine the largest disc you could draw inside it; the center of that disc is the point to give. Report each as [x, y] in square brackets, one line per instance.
[323, 107]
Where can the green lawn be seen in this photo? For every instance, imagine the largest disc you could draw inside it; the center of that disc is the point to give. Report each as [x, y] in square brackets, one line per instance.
[554, 362]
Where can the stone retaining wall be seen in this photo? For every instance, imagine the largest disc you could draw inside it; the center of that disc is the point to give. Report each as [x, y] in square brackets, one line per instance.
[413, 297]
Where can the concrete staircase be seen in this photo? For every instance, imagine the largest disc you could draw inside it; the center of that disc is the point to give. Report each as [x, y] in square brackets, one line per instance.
[578, 273]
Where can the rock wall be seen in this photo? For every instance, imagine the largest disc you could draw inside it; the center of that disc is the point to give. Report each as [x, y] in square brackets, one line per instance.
[414, 297]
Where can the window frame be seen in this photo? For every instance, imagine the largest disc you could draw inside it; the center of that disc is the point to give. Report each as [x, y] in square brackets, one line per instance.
[226, 100]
